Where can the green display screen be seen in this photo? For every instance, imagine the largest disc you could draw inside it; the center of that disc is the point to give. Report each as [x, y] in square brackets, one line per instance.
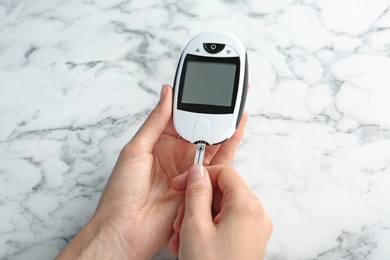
[209, 83]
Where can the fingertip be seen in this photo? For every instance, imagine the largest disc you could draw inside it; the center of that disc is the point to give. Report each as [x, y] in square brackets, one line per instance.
[245, 115]
[164, 90]
[165, 96]
[197, 171]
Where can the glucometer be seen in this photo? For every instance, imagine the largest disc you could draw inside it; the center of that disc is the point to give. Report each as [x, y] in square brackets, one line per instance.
[210, 89]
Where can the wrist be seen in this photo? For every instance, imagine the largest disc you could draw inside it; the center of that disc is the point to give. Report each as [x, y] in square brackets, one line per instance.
[97, 240]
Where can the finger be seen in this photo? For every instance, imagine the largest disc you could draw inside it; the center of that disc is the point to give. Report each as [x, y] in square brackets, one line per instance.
[233, 190]
[179, 183]
[179, 218]
[269, 226]
[198, 197]
[238, 202]
[228, 148]
[226, 179]
[156, 122]
[174, 243]
[217, 200]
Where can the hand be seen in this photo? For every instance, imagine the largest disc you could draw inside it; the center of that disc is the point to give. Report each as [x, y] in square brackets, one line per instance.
[220, 218]
[136, 211]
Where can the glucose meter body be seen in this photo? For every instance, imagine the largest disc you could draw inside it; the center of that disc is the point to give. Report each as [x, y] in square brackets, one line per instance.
[210, 88]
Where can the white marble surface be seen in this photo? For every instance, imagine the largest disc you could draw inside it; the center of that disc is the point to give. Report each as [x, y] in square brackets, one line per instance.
[77, 78]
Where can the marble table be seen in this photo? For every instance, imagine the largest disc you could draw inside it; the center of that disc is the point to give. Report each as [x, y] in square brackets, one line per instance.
[77, 78]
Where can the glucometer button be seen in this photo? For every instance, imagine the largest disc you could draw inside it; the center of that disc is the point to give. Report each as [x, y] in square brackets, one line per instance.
[213, 48]
[202, 130]
[202, 123]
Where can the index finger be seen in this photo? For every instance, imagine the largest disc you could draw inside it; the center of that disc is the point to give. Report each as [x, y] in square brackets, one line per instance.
[227, 149]
[238, 201]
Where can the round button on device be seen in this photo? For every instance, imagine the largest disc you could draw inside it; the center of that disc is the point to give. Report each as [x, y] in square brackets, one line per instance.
[213, 48]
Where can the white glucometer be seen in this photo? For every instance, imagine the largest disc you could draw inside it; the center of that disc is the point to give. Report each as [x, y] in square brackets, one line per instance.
[210, 88]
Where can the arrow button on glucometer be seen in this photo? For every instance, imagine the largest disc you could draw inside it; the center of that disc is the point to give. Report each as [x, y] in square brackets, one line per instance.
[213, 48]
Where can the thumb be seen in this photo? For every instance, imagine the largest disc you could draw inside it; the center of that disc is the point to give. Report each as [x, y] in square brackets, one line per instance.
[199, 195]
[150, 131]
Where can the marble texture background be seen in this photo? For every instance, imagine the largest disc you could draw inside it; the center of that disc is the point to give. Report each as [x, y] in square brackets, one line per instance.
[77, 78]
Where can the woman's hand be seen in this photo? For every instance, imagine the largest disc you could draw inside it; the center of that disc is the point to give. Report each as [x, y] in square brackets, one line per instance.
[220, 217]
[137, 208]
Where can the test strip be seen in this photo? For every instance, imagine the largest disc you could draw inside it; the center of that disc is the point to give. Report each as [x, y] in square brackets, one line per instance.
[200, 150]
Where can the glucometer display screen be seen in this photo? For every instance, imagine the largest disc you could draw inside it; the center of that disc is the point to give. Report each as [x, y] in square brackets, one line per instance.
[209, 83]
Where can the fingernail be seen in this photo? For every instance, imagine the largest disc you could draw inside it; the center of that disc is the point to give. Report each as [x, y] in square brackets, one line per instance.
[163, 92]
[196, 172]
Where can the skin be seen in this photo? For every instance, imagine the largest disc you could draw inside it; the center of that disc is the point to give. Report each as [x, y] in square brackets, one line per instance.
[135, 215]
[231, 226]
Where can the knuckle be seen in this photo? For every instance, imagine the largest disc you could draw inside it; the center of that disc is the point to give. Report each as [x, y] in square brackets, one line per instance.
[196, 191]
[196, 227]
[251, 206]
[220, 168]
[257, 207]
[128, 151]
[227, 168]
